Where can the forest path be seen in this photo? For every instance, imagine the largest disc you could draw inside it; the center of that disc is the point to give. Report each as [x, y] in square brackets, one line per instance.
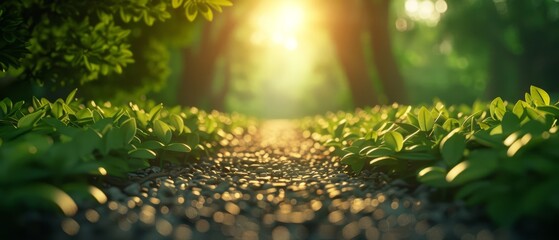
[273, 184]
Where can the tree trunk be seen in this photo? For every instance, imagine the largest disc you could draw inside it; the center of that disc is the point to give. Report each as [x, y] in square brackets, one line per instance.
[383, 57]
[199, 63]
[346, 31]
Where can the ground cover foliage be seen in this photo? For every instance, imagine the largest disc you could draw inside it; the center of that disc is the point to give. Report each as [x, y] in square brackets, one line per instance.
[55, 154]
[502, 156]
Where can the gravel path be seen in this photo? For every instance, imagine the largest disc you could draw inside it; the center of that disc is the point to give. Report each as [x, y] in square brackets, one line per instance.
[272, 184]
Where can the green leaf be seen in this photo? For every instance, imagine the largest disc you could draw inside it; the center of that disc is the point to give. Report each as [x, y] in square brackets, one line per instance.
[518, 109]
[539, 96]
[550, 109]
[433, 176]
[176, 3]
[192, 139]
[142, 153]
[452, 147]
[379, 152]
[206, 12]
[225, 3]
[29, 120]
[388, 162]
[155, 111]
[71, 96]
[497, 108]
[450, 124]
[162, 131]
[425, 120]
[85, 113]
[394, 140]
[177, 123]
[128, 130]
[510, 122]
[152, 145]
[480, 164]
[340, 129]
[354, 161]
[191, 11]
[178, 147]
[485, 139]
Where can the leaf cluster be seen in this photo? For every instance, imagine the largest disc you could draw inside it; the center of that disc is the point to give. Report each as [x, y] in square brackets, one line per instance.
[69, 43]
[49, 150]
[13, 36]
[501, 155]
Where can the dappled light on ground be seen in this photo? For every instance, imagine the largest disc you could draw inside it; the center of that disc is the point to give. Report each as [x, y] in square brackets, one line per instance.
[276, 184]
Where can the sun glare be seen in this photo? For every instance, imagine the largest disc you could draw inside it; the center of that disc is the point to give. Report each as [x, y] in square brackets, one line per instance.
[428, 11]
[279, 24]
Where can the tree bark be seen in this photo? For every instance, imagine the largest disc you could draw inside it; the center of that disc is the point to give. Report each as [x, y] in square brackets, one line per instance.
[345, 28]
[199, 63]
[383, 57]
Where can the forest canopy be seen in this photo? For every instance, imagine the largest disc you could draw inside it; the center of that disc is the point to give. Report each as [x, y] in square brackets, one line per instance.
[296, 57]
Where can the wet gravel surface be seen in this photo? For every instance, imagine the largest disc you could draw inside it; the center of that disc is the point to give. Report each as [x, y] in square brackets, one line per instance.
[273, 184]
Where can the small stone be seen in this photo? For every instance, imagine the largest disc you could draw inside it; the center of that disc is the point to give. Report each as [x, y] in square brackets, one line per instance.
[222, 187]
[114, 193]
[132, 189]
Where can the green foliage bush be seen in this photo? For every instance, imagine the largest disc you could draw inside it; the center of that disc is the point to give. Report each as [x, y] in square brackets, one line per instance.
[49, 150]
[503, 156]
[64, 44]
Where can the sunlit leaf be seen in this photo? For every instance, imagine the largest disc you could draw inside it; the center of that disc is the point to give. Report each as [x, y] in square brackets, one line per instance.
[497, 108]
[518, 109]
[433, 176]
[129, 130]
[162, 131]
[379, 152]
[425, 120]
[394, 140]
[191, 11]
[30, 119]
[390, 162]
[152, 145]
[71, 96]
[206, 12]
[479, 164]
[155, 111]
[176, 3]
[178, 147]
[142, 153]
[177, 122]
[340, 128]
[539, 96]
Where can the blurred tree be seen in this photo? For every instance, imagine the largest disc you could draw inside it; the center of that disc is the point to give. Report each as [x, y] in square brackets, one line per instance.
[199, 63]
[348, 22]
[519, 37]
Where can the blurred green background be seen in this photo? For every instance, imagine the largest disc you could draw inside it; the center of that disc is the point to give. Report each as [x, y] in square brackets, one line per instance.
[286, 58]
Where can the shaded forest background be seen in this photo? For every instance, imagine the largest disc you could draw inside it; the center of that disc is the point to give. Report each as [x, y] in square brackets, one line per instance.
[294, 58]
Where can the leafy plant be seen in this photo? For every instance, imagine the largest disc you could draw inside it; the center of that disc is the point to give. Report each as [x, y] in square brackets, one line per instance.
[49, 150]
[483, 154]
[69, 43]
